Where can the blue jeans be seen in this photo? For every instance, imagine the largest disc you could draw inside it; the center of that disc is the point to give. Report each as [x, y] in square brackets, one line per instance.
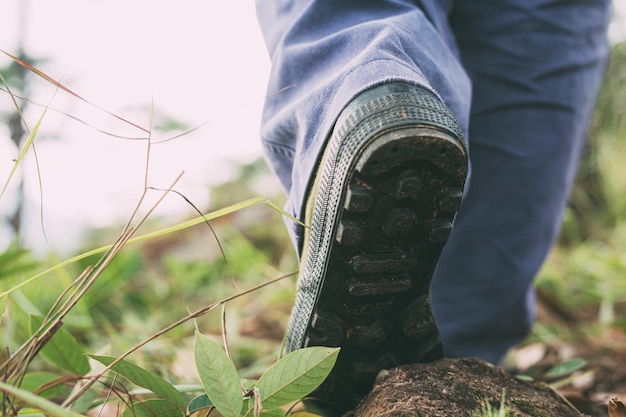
[521, 77]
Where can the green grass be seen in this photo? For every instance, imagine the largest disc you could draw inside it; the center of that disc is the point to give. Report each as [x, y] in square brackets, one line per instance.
[487, 410]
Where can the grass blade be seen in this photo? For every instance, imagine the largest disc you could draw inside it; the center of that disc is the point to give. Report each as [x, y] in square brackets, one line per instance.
[144, 379]
[67, 90]
[22, 154]
[296, 375]
[219, 376]
[184, 225]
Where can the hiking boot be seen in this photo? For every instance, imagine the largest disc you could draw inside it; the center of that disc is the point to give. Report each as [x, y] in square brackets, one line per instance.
[380, 211]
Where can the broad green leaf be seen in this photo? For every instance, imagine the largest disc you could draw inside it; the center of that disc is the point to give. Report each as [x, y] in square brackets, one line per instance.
[15, 260]
[153, 408]
[203, 404]
[48, 407]
[86, 402]
[199, 403]
[273, 413]
[304, 414]
[45, 384]
[566, 368]
[145, 379]
[62, 350]
[219, 376]
[296, 375]
[249, 405]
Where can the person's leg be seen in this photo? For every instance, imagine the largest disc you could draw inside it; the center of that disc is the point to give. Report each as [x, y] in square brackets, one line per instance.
[381, 190]
[535, 66]
[325, 52]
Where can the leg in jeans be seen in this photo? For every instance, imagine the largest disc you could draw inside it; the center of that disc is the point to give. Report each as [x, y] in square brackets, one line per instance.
[380, 192]
[325, 52]
[535, 67]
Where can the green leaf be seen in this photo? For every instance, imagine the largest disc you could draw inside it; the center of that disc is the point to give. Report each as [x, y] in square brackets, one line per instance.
[152, 408]
[296, 375]
[199, 403]
[566, 368]
[62, 350]
[145, 379]
[40, 403]
[273, 413]
[45, 384]
[219, 376]
[14, 261]
[86, 402]
[277, 412]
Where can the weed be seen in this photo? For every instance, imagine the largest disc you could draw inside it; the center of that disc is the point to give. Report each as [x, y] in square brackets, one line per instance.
[487, 410]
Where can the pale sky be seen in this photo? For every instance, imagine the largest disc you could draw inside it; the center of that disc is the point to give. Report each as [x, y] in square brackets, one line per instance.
[198, 60]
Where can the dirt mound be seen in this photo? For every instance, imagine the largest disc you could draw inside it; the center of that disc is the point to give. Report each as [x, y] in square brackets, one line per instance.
[458, 387]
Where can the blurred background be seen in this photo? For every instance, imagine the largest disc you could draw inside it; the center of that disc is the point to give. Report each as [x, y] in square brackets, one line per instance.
[199, 64]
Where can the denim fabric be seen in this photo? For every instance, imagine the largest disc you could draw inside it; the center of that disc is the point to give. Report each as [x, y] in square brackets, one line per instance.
[521, 78]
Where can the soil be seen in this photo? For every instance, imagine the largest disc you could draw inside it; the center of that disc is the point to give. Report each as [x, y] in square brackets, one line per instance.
[591, 388]
[458, 387]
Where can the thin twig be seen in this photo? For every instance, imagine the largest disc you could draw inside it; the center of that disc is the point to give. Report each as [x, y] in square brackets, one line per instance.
[106, 398]
[67, 90]
[40, 339]
[213, 232]
[78, 282]
[104, 132]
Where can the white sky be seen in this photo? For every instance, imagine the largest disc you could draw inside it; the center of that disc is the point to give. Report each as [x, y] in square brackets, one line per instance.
[198, 60]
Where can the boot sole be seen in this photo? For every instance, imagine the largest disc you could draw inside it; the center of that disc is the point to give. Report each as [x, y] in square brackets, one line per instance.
[380, 211]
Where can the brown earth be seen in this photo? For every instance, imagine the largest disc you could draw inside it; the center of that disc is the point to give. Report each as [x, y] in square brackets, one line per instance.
[458, 387]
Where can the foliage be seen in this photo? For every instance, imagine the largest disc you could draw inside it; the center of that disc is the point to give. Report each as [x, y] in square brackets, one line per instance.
[289, 380]
[487, 410]
[598, 200]
[125, 298]
[585, 271]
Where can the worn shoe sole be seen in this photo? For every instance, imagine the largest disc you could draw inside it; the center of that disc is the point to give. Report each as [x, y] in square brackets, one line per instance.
[381, 208]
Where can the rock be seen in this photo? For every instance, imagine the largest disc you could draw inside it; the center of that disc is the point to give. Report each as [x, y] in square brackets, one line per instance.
[458, 387]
